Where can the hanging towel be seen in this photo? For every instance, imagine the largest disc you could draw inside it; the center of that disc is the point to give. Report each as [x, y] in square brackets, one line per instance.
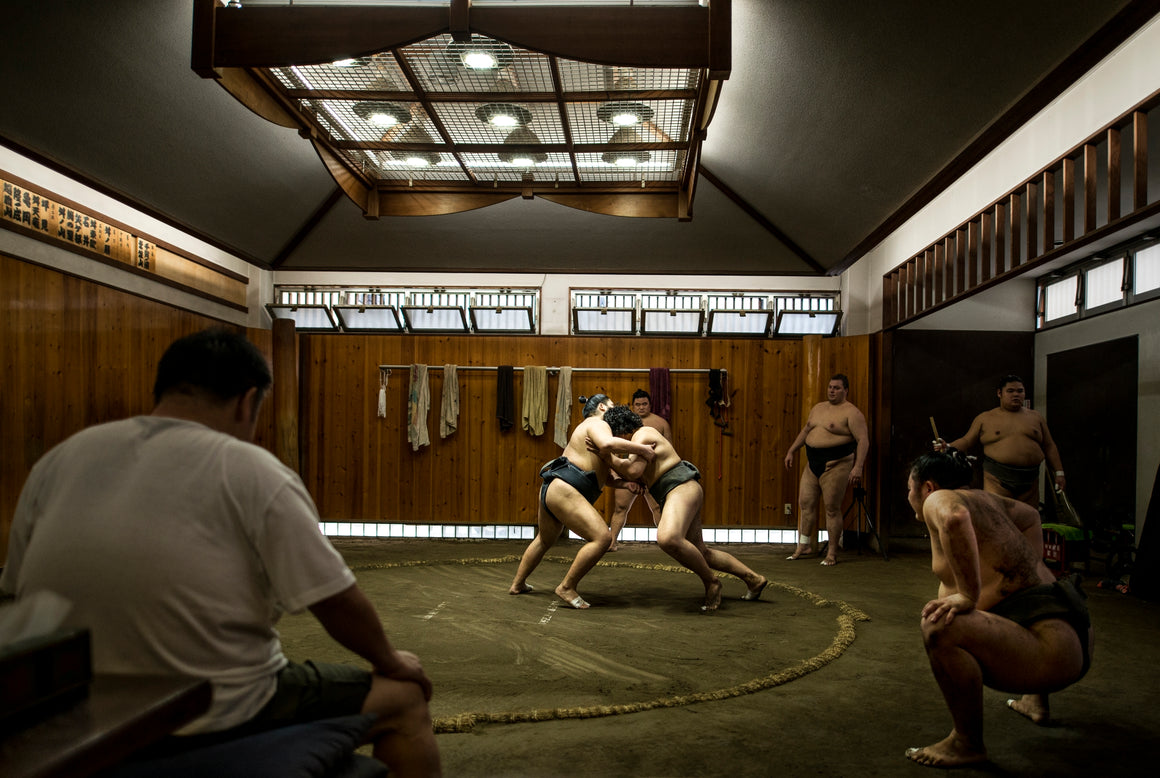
[505, 397]
[563, 407]
[418, 404]
[384, 372]
[535, 399]
[449, 412]
[658, 389]
[716, 392]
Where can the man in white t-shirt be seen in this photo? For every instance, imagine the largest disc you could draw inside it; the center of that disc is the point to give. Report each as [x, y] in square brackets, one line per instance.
[180, 544]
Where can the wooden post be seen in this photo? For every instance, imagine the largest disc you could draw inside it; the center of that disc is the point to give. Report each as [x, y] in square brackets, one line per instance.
[286, 393]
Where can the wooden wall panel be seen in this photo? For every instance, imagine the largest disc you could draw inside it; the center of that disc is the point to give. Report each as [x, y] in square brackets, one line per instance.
[361, 467]
[75, 353]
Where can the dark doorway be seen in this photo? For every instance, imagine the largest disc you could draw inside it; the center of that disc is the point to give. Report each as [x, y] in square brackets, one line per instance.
[1091, 398]
[951, 376]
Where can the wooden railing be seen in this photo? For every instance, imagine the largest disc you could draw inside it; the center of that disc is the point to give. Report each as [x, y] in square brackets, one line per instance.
[1055, 211]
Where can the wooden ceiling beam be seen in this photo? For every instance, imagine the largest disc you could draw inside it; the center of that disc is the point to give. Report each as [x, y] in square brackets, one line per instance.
[630, 36]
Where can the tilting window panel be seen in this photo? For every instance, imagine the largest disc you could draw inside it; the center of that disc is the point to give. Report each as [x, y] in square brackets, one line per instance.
[1104, 284]
[1146, 270]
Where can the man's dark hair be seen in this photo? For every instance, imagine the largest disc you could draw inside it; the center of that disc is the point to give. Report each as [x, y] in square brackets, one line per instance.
[950, 469]
[590, 403]
[623, 420]
[216, 362]
[639, 393]
[841, 377]
[1009, 379]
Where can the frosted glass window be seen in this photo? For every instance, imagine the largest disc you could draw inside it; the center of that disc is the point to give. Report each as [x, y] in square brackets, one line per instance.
[671, 322]
[604, 320]
[755, 323]
[1102, 284]
[1060, 299]
[795, 323]
[1147, 270]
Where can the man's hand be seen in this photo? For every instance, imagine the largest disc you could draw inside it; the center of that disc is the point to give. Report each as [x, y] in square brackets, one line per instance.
[789, 461]
[408, 668]
[855, 477]
[588, 444]
[947, 607]
[939, 445]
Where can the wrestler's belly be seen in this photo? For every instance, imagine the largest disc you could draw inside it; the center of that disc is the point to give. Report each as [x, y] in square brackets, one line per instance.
[823, 438]
[1016, 451]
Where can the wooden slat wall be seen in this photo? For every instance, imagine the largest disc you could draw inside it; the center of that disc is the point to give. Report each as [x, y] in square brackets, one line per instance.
[360, 467]
[75, 353]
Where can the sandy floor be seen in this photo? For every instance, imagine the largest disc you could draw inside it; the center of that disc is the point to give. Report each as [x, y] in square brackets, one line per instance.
[644, 684]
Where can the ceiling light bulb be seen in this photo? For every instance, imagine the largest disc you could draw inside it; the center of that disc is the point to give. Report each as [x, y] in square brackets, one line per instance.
[523, 161]
[625, 119]
[417, 161]
[383, 120]
[504, 120]
[345, 63]
[626, 161]
[479, 60]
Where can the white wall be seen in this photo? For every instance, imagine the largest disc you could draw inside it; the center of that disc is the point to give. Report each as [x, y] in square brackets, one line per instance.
[53, 183]
[1009, 306]
[1140, 320]
[1118, 83]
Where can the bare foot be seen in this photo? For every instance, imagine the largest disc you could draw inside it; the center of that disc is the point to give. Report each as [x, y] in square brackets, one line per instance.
[800, 551]
[712, 597]
[952, 751]
[613, 548]
[523, 588]
[1032, 706]
[571, 597]
[829, 561]
[755, 591]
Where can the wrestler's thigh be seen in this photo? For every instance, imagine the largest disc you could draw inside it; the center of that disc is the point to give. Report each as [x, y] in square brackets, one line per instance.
[808, 488]
[549, 526]
[682, 511]
[835, 480]
[623, 499]
[576, 513]
[1013, 658]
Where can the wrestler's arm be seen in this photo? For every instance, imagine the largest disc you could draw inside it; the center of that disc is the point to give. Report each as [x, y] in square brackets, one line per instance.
[604, 443]
[800, 440]
[960, 550]
[1051, 454]
[971, 439]
[861, 432]
[633, 467]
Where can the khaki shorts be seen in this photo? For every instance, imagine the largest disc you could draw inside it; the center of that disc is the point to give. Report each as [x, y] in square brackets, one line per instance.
[310, 691]
[305, 692]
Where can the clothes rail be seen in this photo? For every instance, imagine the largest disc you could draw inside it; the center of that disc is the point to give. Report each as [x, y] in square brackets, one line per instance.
[556, 369]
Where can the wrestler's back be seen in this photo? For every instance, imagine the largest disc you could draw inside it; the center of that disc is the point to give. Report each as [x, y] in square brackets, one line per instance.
[578, 454]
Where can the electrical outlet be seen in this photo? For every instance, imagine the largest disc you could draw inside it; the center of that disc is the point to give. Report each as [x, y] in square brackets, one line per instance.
[788, 509]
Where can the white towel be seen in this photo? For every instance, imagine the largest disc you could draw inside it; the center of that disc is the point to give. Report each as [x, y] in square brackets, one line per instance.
[383, 373]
